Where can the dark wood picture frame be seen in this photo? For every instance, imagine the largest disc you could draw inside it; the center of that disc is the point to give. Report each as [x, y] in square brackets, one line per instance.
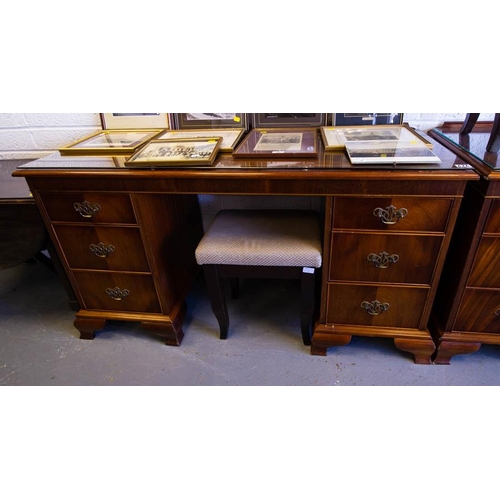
[352, 119]
[280, 120]
[279, 143]
[210, 120]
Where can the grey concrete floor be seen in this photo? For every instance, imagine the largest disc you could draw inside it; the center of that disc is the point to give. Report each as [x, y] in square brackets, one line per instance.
[40, 347]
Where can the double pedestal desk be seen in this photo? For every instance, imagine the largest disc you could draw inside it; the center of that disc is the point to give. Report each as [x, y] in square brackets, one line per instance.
[126, 238]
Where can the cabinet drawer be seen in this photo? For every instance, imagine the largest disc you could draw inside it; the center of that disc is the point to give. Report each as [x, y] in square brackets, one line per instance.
[390, 258]
[493, 221]
[132, 292]
[392, 214]
[479, 312]
[486, 269]
[89, 207]
[102, 247]
[351, 304]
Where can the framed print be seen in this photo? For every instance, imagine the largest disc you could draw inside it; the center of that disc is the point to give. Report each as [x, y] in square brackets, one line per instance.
[278, 143]
[341, 119]
[210, 120]
[390, 152]
[176, 152]
[109, 142]
[230, 136]
[335, 138]
[135, 120]
[260, 120]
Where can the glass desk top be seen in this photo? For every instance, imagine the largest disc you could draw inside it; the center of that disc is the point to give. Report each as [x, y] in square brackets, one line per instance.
[473, 143]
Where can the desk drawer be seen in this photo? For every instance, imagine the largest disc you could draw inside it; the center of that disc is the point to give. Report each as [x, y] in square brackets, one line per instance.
[89, 207]
[392, 214]
[479, 312]
[383, 257]
[399, 307]
[131, 292]
[493, 223]
[102, 247]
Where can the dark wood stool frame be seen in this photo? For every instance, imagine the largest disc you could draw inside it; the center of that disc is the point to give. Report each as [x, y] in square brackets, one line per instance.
[494, 141]
[216, 274]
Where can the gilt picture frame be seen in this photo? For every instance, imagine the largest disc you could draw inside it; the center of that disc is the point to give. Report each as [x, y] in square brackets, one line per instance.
[195, 151]
[335, 137]
[109, 142]
[230, 136]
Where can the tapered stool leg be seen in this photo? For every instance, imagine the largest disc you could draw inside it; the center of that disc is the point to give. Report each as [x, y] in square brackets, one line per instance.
[217, 298]
[307, 287]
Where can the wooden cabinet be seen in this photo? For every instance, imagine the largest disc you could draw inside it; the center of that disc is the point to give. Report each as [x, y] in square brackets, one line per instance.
[467, 307]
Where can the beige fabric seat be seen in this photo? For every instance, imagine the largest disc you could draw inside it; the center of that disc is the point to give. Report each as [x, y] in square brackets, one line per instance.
[261, 243]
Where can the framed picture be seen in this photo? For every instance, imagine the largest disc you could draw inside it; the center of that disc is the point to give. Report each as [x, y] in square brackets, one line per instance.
[335, 138]
[230, 136]
[260, 120]
[341, 119]
[211, 120]
[278, 143]
[135, 120]
[176, 152]
[109, 142]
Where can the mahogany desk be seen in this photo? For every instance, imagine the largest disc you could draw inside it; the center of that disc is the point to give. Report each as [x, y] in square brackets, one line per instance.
[126, 238]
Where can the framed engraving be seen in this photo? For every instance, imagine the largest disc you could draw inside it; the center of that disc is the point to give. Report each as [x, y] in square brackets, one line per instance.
[342, 119]
[230, 136]
[135, 120]
[335, 138]
[210, 120]
[260, 120]
[176, 152]
[109, 142]
[278, 143]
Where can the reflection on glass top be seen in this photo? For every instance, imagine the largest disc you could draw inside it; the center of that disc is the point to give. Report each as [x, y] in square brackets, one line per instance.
[474, 143]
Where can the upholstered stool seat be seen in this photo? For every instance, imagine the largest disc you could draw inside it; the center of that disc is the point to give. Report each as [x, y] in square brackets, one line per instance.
[261, 243]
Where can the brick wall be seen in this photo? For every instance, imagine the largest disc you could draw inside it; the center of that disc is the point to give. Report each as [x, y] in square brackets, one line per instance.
[33, 135]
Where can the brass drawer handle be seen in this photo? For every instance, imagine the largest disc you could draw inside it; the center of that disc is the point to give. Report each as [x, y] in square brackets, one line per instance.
[117, 293]
[87, 210]
[390, 215]
[383, 260]
[101, 250]
[375, 308]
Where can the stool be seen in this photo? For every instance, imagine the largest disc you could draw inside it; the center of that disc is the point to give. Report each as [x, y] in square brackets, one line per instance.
[261, 244]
